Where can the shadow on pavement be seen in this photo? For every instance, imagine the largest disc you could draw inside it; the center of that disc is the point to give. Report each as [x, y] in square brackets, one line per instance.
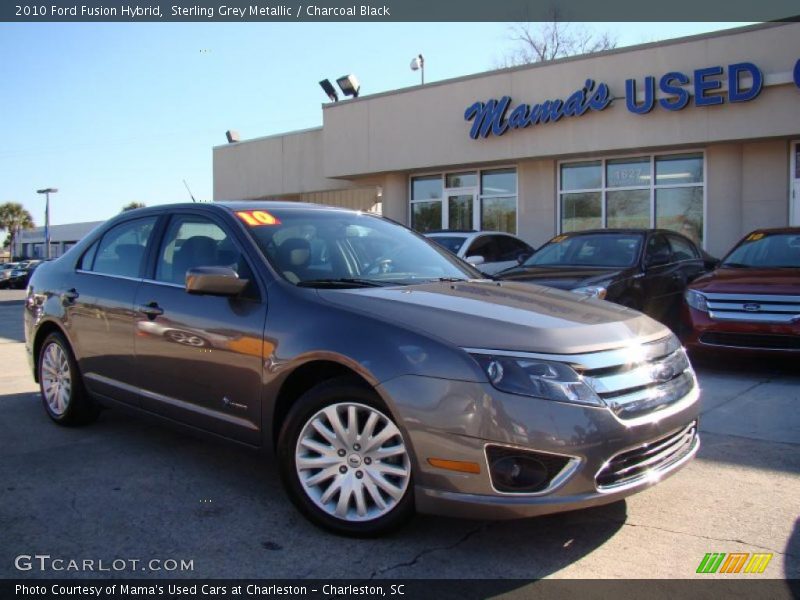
[129, 487]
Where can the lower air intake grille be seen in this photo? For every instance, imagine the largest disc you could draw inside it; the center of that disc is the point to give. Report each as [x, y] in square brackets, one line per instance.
[658, 455]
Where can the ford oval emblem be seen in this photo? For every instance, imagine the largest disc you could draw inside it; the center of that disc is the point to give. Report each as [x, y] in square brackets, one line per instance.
[752, 307]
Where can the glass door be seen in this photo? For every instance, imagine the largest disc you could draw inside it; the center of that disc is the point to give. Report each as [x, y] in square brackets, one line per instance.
[794, 196]
[461, 210]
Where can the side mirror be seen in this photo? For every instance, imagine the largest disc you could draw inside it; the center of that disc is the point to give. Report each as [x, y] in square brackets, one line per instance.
[523, 257]
[475, 260]
[214, 281]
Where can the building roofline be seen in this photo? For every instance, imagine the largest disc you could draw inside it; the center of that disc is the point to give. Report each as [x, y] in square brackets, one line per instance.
[566, 59]
[266, 137]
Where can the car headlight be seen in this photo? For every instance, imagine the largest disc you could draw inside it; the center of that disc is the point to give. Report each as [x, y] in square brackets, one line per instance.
[696, 300]
[537, 378]
[593, 291]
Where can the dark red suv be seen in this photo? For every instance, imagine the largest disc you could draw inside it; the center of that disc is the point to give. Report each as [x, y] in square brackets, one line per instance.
[751, 302]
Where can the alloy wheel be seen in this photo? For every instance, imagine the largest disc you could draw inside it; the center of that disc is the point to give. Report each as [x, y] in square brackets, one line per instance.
[56, 379]
[352, 462]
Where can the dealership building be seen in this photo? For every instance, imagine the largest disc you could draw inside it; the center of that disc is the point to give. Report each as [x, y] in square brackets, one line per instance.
[698, 134]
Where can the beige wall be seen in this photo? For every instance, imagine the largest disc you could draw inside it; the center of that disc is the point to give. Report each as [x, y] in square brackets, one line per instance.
[536, 183]
[423, 127]
[272, 166]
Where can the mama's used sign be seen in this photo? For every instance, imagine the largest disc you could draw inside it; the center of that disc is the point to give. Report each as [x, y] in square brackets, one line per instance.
[496, 116]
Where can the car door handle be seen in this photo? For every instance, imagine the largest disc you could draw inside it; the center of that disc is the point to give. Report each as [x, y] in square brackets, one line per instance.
[69, 296]
[152, 310]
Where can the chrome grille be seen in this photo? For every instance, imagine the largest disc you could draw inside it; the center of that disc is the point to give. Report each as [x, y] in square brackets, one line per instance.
[651, 378]
[647, 460]
[750, 308]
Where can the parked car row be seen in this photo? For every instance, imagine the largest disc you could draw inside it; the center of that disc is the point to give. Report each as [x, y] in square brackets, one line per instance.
[749, 301]
[16, 275]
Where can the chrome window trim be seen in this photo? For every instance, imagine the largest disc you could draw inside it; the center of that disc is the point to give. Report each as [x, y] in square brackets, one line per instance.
[125, 277]
[164, 283]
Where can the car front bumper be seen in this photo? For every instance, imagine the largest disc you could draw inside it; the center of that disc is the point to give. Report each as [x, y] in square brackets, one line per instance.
[703, 334]
[456, 421]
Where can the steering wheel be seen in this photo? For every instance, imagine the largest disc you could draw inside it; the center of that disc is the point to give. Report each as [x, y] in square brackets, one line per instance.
[382, 264]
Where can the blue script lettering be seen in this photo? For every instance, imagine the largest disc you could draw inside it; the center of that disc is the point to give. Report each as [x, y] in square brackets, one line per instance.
[489, 118]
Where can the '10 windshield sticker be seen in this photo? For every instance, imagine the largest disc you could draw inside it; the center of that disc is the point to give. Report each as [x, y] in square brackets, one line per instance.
[256, 218]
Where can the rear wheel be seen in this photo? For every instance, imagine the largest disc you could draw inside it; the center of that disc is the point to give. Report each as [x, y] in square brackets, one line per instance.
[63, 394]
[345, 462]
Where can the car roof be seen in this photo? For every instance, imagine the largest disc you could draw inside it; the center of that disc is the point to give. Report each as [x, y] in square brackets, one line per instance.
[236, 205]
[775, 230]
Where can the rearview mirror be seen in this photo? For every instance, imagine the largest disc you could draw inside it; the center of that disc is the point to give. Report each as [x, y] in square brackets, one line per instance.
[475, 260]
[214, 281]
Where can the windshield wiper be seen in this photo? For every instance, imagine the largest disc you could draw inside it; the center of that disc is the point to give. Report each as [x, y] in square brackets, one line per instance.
[343, 282]
[735, 265]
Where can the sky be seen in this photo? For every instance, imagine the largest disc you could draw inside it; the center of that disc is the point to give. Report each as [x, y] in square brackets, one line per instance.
[111, 113]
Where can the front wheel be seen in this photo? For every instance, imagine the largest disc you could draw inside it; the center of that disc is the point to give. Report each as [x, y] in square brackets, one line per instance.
[345, 462]
[63, 394]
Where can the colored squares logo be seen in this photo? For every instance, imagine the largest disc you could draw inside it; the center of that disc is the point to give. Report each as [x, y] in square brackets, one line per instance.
[734, 562]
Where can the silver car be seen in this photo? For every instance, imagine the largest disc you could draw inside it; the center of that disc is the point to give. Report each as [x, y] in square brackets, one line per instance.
[384, 373]
[488, 251]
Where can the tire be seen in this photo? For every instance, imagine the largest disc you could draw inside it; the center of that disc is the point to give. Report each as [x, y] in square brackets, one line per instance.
[63, 394]
[317, 460]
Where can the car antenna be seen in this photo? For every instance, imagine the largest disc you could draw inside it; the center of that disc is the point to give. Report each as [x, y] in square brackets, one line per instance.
[190, 191]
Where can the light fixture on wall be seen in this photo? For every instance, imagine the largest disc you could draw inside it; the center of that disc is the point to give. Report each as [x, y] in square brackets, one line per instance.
[328, 88]
[418, 64]
[349, 85]
[232, 135]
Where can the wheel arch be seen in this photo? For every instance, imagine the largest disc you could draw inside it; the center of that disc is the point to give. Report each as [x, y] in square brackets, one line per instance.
[42, 331]
[302, 378]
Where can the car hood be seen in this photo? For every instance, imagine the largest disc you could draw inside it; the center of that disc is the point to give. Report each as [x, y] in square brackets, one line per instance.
[753, 281]
[503, 316]
[563, 278]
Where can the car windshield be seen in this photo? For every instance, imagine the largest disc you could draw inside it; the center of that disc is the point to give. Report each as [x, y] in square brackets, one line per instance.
[318, 248]
[588, 250]
[761, 250]
[451, 242]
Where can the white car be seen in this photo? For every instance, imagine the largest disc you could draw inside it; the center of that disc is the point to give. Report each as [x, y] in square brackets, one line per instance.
[489, 251]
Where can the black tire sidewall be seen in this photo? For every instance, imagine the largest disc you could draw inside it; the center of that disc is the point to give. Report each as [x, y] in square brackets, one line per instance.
[326, 394]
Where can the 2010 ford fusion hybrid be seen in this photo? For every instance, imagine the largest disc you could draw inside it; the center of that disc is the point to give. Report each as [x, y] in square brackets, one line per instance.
[386, 374]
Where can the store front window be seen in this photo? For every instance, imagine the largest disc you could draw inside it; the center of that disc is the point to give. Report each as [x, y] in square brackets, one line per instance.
[663, 191]
[465, 200]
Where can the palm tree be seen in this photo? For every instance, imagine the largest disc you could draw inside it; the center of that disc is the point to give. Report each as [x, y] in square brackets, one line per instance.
[133, 205]
[14, 218]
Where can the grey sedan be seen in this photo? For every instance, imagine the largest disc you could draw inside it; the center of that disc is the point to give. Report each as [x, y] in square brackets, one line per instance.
[384, 373]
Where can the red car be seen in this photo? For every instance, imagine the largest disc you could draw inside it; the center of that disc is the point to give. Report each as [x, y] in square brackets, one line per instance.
[751, 302]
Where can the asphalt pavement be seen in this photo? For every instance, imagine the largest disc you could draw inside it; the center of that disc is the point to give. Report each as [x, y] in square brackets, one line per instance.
[128, 488]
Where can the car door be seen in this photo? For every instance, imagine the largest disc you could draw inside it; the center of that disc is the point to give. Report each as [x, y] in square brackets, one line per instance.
[661, 281]
[199, 357]
[98, 305]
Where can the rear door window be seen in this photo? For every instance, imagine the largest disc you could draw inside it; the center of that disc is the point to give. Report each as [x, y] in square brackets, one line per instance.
[122, 249]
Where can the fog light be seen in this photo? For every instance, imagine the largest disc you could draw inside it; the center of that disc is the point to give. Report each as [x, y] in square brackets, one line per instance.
[518, 471]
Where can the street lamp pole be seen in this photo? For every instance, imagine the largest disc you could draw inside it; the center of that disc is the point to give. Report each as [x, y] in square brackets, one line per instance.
[47, 192]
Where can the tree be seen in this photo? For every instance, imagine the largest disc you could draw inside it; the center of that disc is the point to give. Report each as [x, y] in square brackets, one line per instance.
[538, 42]
[133, 206]
[14, 218]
